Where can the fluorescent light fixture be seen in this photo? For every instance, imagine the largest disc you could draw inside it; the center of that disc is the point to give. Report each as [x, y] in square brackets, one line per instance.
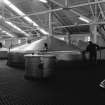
[7, 2]
[14, 26]
[30, 21]
[19, 41]
[84, 19]
[44, 1]
[19, 12]
[3, 31]
[88, 38]
[1, 17]
[43, 31]
[7, 33]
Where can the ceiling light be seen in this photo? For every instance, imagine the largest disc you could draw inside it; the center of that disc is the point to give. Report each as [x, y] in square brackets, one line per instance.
[3, 31]
[7, 33]
[7, 2]
[30, 21]
[44, 1]
[1, 17]
[43, 31]
[14, 26]
[19, 41]
[88, 38]
[19, 12]
[84, 19]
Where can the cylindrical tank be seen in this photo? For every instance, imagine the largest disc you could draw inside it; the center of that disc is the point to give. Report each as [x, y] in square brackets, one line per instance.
[59, 48]
[3, 53]
[49, 64]
[15, 59]
[67, 55]
[39, 66]
[33, 67]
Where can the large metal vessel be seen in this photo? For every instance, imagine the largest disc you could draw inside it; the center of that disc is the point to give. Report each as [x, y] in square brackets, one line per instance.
[3, 53]
[56, 47]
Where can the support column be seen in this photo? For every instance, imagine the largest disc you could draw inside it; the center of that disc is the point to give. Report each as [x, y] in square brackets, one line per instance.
[3, 9]
[11, 43]
[50, 26]
[93, 31]
[50, 22]
[68, 39]
[93, 27]
[66, 3]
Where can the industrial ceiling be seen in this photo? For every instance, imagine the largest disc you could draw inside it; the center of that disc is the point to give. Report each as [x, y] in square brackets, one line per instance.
[24, 18]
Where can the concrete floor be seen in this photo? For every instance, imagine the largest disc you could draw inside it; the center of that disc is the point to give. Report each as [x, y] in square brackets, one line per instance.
[74, 85]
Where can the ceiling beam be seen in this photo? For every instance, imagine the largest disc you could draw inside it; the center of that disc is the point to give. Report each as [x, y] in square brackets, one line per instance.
[38, 13]
[91, 9]
[61, 21]
[22, 24]
[79, 14]
[58, 9]
[86, 4]
[58, 27]
[57, 3]
[58, 16]
[73, 11]
[78, 5]
[66, 5]
[4, 29]
[102, 13]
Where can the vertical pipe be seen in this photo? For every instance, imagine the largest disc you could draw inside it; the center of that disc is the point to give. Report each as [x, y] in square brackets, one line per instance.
[68, 38]
[95, 33]
[3, 8]
[11, 43]
[50, 26]
[94, 26]
[95, 9]
[66, 3]
[50, 22]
